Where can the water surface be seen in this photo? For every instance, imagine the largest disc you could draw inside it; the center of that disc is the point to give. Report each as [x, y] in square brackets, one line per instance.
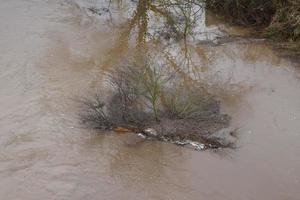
[52, 52]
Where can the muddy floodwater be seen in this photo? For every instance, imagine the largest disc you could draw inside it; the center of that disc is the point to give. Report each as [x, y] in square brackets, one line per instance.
[52, 52]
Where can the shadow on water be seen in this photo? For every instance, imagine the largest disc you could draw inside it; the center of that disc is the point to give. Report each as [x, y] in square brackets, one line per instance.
[167, 28]
[169, 33]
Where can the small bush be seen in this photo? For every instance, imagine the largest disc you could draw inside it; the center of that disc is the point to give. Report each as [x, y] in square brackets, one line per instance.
[94, 114]
[143, 96]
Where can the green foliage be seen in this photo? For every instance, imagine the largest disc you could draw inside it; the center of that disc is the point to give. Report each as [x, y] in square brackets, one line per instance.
[150, 82]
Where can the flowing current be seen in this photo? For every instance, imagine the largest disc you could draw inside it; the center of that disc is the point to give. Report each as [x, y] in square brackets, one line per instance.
[53, 52]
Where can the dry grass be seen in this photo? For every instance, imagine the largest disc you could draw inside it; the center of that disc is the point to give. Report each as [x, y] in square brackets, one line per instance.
[245, 12]
[280, 19]
[286, 21]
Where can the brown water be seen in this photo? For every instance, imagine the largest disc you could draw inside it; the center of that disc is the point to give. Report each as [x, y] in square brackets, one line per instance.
[53, 51]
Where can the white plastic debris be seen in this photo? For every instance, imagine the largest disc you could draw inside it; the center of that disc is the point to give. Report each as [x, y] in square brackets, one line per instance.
[188, 143]
[142, 135]
[196, 145]
[181, 143]
[151, 132]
